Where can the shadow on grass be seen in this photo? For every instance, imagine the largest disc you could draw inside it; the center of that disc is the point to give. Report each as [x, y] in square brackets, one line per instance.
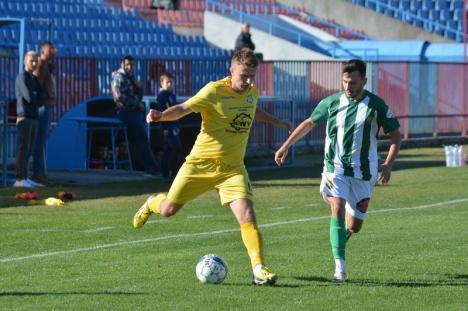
[452, 280]
[460, 276]
[295, 185]
[313, 279]
[21, 294]
[277, 285]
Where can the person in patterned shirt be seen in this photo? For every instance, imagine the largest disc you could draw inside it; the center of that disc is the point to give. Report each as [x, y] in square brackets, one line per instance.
[354, 118]
[127, 94]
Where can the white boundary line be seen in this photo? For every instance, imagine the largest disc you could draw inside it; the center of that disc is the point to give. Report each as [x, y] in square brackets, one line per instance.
[92, 230]
[280, 208]
[190, 235]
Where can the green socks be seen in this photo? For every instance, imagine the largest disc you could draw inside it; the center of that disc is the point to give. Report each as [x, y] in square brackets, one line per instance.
[338, 237]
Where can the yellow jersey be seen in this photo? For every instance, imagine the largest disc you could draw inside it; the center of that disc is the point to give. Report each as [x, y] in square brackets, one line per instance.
[227, 117]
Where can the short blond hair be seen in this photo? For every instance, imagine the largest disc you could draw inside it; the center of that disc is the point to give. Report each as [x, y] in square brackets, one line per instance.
[245, 57]
[30, 54]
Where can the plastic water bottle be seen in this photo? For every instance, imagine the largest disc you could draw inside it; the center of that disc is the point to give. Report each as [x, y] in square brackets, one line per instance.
[456, 156]
[448, 156]
[462, 155]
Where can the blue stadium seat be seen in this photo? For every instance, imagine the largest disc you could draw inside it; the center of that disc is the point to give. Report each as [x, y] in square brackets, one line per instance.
[377, 7]
[394, 3]
[90, 27]
[439, 30]
[458, 15]
[428, 26]
[452, 24]
[409, 15]
[456, 4]
[428, 4]
[405, 4]
[451, 35]
[434, 15]
[371, 5]
[416, 4]
[423, 13]
[441, 5]
[445, 15]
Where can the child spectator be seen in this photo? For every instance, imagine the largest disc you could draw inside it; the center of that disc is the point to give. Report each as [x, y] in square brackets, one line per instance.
[172, 149]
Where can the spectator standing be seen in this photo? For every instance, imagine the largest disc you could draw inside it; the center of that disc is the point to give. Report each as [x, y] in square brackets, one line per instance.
[172, 146]
[244, 40]
[28, 94]
[127, 94]
[44, 73]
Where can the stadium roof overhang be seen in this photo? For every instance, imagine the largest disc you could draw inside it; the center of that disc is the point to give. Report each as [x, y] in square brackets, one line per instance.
[5, 21]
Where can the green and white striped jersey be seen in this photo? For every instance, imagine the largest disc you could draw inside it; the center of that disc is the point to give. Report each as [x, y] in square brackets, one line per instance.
[352, 128]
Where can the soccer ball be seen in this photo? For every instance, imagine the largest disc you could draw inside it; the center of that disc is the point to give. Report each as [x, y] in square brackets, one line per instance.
[211, 268]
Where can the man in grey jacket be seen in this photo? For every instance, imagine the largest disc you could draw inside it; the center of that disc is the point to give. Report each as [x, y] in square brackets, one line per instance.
[28, 94]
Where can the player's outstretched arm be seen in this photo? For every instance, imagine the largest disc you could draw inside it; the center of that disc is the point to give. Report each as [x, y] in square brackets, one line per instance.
[170, 114]
[264, 116]
[305, 127]
[386, 167]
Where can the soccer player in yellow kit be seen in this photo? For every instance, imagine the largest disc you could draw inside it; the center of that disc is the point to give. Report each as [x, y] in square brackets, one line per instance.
[228, 108]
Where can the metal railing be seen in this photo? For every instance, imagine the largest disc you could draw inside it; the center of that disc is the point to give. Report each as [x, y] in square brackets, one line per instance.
[4, 142]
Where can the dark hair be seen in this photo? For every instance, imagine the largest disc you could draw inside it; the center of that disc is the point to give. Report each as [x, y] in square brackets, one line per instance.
[127, 57]
[355, 65]
[44, 44]
[165, 75]
[245, 57]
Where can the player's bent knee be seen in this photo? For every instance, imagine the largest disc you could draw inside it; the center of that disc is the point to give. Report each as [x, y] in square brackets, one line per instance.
[169, 209]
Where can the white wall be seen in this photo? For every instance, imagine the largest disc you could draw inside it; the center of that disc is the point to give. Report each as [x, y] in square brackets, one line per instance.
[222, 32]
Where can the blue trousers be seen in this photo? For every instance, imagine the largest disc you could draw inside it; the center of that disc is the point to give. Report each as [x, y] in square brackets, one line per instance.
[39, 153]
[172, 153]
[138, 138]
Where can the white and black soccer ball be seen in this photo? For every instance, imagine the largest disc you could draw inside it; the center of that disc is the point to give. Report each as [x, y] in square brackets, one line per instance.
[211, 268]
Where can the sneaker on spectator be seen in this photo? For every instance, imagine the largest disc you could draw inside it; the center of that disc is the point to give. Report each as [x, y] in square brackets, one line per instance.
[22, 183]
[33, 183]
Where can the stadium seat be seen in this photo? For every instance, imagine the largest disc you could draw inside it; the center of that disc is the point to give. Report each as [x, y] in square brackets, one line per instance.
[445, 15]
[428, 4]
[441, 5]
[456, 4]
[423, 13]
[434, 15]
[458, 14]
[416, 4]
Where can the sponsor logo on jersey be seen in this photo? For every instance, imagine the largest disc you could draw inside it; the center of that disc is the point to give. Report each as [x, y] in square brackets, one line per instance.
[249, 99]
[241, 123]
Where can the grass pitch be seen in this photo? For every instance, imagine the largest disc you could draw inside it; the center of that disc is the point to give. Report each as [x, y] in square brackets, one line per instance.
[410, 255]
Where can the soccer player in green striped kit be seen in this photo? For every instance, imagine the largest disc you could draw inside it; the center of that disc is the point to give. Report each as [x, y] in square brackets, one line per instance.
[350, 171]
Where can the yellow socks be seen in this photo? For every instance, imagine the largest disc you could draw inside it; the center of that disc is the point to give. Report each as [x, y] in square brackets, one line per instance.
[253, 242]
[155, 202]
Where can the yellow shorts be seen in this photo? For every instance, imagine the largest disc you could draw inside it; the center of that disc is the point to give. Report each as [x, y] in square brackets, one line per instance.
[197, 176]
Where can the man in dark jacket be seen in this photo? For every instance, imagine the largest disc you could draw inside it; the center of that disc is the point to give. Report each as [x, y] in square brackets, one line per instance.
[28, 95]
[44, 73]
[244, 39]
[127, 94]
